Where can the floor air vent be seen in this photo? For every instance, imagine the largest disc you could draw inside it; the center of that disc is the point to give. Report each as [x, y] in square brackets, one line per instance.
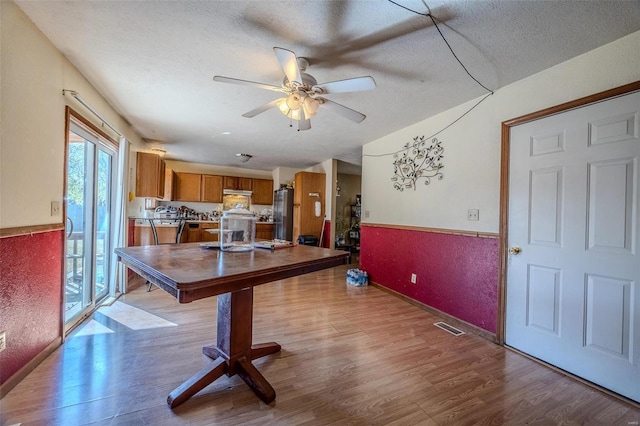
[448, 328]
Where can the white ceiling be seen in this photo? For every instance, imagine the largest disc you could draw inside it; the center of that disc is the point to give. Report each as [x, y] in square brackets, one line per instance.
[154, 62]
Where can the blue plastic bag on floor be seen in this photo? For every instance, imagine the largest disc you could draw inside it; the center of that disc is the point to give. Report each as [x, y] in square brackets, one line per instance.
[357, 277]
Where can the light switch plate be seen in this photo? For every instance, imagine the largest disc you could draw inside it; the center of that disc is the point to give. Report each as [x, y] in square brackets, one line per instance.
[55, 208]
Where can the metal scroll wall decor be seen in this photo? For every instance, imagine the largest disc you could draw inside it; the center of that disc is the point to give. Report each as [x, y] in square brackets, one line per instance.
[419, 159]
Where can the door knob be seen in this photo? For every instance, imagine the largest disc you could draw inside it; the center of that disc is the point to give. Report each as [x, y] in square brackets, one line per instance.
[515, 250]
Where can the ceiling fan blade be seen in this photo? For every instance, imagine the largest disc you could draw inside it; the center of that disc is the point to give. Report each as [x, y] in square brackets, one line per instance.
[246, 83]
[289, 64]
[260, 109]
[357, 84]
[342, 110]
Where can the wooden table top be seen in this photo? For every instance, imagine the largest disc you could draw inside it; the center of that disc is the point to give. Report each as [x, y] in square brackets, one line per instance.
[190, 272]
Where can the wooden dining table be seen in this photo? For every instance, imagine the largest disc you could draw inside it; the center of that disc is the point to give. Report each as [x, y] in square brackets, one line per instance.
[192, 271]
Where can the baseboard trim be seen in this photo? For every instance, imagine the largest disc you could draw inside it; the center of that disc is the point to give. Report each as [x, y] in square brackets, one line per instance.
[577, 378]
[451, 320]
[28, 368]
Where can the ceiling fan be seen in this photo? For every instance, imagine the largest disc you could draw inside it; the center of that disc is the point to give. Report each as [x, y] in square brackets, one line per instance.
[303, 94]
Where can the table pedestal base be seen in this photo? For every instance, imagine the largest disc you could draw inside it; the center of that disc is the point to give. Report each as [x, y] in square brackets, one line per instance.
[233, 353]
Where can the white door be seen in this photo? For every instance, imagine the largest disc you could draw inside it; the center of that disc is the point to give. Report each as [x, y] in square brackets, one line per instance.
[573, 290]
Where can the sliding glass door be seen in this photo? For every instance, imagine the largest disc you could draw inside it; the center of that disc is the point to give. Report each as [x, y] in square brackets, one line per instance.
[89, 206]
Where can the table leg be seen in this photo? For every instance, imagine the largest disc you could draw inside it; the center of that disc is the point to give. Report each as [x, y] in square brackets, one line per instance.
[233, 352]
[196, 383]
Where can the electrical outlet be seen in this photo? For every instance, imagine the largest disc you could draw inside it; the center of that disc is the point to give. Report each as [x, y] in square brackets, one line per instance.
[366, 214]
[414, 278]
[3, 341]
[473, 214]
[55, 208]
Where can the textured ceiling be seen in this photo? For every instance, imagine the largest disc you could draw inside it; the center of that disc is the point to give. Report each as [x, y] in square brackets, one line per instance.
[154, 62]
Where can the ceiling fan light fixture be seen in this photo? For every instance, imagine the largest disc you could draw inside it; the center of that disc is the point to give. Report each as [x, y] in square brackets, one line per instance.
[310, 106]
[294, 101]
[285, 109]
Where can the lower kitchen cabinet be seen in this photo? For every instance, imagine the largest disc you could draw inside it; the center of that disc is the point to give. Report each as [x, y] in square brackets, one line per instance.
[193, 232]
[209, 236]
[264, 231]
[197, 232]
[143, 235]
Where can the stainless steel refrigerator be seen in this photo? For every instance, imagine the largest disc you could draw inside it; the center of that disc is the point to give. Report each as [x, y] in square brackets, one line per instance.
[283, 213]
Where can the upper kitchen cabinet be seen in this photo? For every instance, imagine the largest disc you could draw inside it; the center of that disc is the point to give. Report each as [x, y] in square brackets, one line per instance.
[238, 183]
[262, 192]
[169, 178]
[150, 175]
[187, 186]
[211, 189]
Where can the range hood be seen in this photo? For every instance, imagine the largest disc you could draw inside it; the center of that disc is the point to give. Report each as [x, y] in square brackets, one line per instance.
[232, 199]
[235, 192]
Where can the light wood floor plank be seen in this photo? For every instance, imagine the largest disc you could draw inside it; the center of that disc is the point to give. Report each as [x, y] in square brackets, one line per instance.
[350, 356]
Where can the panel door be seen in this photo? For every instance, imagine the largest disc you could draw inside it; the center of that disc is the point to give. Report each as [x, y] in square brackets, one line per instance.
[572, 290]
[211, 189]
[187, 186]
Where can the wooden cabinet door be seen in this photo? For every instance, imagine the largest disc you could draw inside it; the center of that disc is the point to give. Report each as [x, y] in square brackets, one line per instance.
[187, 186]
[193, 232]
[264, 231]
[150, 169]
[238, 183]
[209, 236]
[230, 182]
[211, 189]
[245, 184]
[169, 177]
[262, 192]
[143, 235]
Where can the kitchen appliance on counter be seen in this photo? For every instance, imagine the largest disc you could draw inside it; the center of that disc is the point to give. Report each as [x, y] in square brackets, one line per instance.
[164, 212]
[283, 214]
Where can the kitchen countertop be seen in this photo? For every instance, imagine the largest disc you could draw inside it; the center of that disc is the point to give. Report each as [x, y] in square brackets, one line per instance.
[187, 220]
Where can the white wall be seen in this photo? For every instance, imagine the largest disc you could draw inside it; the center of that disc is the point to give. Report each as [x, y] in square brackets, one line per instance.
[182, 166]
[472, 146]
[283, 175]
[32, 120]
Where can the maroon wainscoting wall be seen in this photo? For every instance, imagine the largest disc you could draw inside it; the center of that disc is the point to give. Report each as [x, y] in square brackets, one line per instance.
[456, 274]
[30, 296]
[326, 237]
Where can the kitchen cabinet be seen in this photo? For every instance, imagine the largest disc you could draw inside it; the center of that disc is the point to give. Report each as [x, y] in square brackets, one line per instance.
[150, 175]
[306, 220]
[193, 232]
[143, 235]
[187, 186]
[238, 183]
[264, 231]
[197, 232]
[169, 177]
[262, 192]
[209, 236]
[211, 189]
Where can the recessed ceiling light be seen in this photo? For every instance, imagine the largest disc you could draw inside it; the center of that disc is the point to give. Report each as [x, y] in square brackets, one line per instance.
[225, 133]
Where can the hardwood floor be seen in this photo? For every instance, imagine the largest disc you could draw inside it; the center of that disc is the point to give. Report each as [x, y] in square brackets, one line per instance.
[350, 355]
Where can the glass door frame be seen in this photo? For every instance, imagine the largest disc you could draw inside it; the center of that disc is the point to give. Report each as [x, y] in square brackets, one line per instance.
[102, 143]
